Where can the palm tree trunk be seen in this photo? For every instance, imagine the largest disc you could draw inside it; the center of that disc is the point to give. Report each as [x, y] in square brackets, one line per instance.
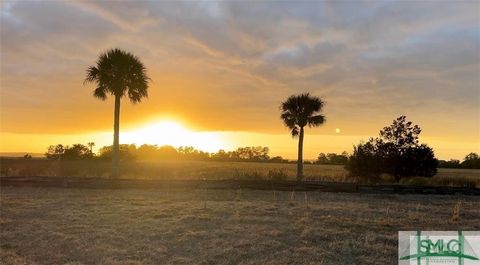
[300, 156]
[116, 132]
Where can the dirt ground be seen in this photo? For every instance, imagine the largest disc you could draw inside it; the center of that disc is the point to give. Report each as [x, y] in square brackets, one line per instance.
[199, 226]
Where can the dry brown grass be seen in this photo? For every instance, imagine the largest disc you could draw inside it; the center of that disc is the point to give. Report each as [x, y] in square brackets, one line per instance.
[166, 169]
[216, 171]
[198, 226]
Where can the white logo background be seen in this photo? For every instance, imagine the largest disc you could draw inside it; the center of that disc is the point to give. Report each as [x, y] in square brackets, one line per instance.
[407, 245]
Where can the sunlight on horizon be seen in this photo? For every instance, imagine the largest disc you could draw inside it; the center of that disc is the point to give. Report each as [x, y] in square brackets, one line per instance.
[174, 133]
[211, 141]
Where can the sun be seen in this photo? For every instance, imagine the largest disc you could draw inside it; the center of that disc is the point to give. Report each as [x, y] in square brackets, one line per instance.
[174, 133]
[165, 132]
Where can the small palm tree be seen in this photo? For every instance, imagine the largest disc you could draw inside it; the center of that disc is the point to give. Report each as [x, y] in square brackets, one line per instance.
[91, 145]
[299, 111]
[119, 74]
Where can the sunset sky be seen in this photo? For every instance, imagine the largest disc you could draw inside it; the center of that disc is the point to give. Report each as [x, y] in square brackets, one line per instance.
[219, 71]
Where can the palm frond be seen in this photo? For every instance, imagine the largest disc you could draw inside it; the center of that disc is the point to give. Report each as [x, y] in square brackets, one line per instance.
[316, 120]
[99, 92]
[295, 131]
[301, 110]
[92, 74]
[119, 73]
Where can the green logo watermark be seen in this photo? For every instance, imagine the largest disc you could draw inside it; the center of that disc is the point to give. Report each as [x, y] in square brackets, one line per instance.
[439, 247]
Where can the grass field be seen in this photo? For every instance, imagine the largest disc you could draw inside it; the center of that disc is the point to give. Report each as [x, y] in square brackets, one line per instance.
[195, 226]
[214, 170]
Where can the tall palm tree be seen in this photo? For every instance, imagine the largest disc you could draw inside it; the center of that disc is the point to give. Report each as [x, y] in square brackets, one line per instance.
[299, 111]
[119, 74]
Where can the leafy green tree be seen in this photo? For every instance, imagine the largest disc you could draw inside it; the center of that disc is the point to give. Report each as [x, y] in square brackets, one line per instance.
[471, 161]
[55, 152]
[221, 155]
[332, 159]
[452, 163]
[168, 152]
[253, 153]
[297, 112]
[396, 152]
[74, 152]
[278, 159]
[119, 74]
[322, 159]
[127, 152]
[190, 153]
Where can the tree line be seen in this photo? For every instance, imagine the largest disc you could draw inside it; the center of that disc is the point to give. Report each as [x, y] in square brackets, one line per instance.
[332, 159]
[471, 161]
[130, 152]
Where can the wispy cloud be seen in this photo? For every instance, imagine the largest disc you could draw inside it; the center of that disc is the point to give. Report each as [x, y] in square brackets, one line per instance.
[227, 64]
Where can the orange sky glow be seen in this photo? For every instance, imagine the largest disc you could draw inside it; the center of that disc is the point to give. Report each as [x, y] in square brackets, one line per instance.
[220, 71]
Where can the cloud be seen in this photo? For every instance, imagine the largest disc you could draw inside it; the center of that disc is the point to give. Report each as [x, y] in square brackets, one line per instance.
[228, 64]
[129, 17]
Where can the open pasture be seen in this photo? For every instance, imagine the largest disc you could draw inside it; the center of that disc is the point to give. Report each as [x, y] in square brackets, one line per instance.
[198, 226]
[211, 170]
